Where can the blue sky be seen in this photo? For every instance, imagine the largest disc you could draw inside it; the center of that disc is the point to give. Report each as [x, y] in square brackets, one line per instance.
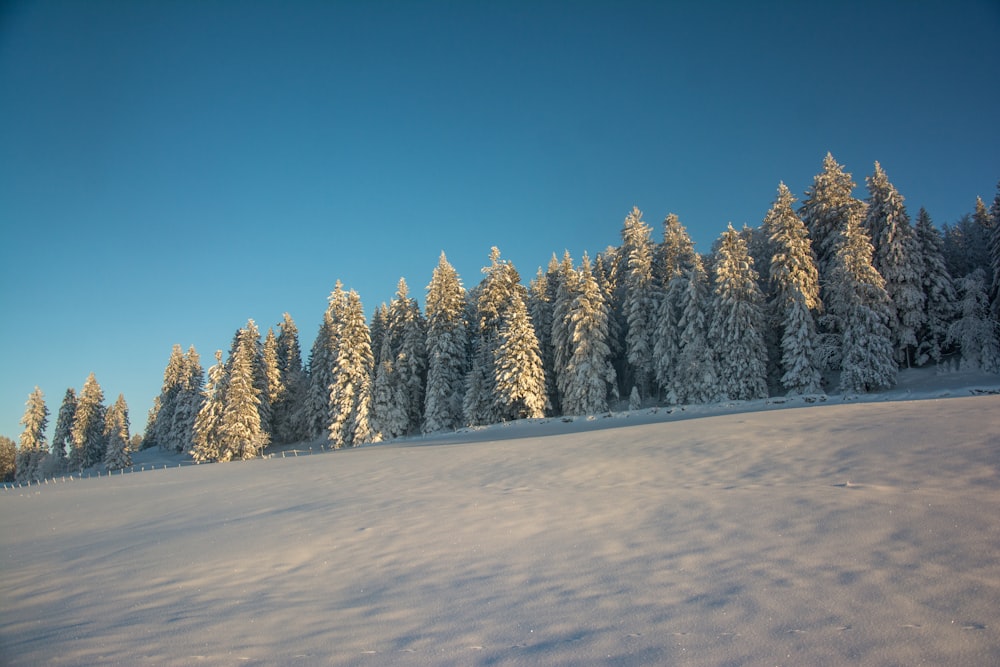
[170, 169]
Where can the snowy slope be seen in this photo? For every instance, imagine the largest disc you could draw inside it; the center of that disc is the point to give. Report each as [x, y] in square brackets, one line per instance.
[861, 533]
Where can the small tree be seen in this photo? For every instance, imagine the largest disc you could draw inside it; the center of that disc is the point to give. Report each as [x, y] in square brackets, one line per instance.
[117, 455]
[62, 439]
[34, 449]
[89, 443]
[8, 459]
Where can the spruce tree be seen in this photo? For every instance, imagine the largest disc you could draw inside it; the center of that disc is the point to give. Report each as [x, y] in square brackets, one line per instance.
[794, 282]
[207, 441]
[859, 310]
[828, 206]
[8, 459]
[568, 287]
[542, 291]
[507, 375]
[187, 404]
[351, 387]
[696, 379]
[447, 349]
[287, 407]
[737, 323]
[116, 425]
[994, 247]
[316, 409]
[33, 447]
[62, 439]
[976, 330]
[939, 292]
[590, 374]
[676, 255]
[408, 335]
[89, 443]
[389, 417]
[161, 418]
[639, 299]
[240, 431]
[271, 375]
[897, 259]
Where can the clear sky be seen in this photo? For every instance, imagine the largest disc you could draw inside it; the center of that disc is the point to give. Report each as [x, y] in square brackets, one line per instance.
[170, 169]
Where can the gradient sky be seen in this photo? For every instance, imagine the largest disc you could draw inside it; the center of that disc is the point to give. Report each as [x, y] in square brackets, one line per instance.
[170, 169]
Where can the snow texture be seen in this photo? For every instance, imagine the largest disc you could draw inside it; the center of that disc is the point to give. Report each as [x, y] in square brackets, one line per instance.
[844, 533]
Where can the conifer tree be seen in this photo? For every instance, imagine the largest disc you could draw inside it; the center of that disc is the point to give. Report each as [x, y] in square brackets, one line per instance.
[897, 259]
[976, 330]
[507, 375]
[389, 418]
[994, 247]
[187, 404]
[161, 417]
[377, 329]
[676, 255]
[351, 388]
[737, 322]
[982, 224]
[408, 335]
[568, 287]
[696, 379]
[33, 446]
[207, 426]
[316, 411]
[447, 342]
[859, 309]
[939, 292]
[240, 431]
[271, 375]
[828, 206]
[794, 282]
[89, 443]
[62, 439]
[542, 291]
[116, 425]
[287, 407]
[638, 299]
[8, 459]
[590, 374]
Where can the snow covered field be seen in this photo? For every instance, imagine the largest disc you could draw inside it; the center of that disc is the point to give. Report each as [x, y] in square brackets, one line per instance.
[846, 532]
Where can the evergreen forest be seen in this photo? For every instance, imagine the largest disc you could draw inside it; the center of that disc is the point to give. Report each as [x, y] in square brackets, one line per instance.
[831, 293]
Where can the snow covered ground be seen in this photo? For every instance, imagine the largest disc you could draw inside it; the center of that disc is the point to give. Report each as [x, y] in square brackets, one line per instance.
[853, 531]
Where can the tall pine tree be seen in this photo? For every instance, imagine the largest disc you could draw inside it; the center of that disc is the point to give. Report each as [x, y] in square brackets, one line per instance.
[89, 443]
[447, 349]
[351, 386]
[116, 425]
[738, 322]
[590, 376]
[62, 438]
[794, 282]
[859, 310]
[939, 292]
[33, 447]
[897, 259]
[826, 210]
[639, 299]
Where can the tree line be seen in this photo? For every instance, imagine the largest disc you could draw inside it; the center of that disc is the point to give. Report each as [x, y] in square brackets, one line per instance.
[837, 293]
